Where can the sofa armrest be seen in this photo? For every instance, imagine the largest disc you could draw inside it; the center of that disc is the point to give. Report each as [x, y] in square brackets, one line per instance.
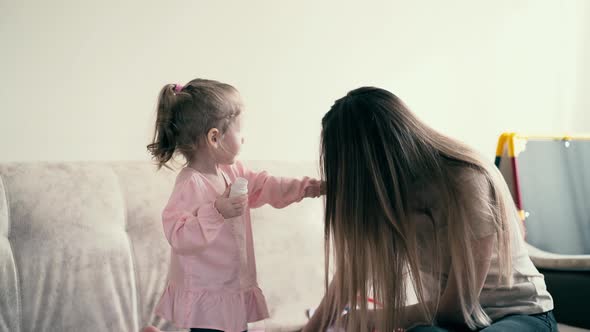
[568, 281]
[547, 260]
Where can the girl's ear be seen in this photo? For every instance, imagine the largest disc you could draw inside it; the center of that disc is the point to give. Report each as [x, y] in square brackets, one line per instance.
[213, 137]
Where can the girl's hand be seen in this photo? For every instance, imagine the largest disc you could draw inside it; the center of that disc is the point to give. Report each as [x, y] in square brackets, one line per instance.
[316, 188]
[231, 207]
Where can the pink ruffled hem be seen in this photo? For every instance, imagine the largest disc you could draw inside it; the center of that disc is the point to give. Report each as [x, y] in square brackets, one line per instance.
[255, 304]
[214, 309]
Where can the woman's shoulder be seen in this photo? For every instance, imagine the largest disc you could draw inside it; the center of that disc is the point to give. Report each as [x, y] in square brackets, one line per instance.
[424, 194]
[475, 190]
[468, 182]
[470, 178]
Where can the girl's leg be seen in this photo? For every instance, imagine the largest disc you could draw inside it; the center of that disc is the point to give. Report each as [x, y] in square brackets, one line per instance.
[539, 322]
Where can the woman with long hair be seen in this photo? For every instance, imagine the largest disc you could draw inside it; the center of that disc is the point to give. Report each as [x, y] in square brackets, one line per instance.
[408, 208]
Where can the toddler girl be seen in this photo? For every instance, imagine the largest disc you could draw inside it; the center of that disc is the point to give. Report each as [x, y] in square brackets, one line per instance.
[212, 276]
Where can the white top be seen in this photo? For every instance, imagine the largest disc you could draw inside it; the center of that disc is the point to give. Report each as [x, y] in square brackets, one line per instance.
[528, 294]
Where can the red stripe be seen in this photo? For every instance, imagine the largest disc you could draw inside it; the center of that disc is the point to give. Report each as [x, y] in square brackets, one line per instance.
[518, 198]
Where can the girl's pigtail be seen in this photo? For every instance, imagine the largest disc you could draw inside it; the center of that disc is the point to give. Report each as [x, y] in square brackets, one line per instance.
[164, 143]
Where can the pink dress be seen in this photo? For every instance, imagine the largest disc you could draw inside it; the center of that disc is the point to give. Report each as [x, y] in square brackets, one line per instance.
[212, 276]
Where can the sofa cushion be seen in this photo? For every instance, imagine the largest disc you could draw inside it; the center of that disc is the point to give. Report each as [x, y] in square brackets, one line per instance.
[71, 251]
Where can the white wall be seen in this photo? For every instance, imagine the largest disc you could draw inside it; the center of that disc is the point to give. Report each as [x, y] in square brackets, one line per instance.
[79, 79]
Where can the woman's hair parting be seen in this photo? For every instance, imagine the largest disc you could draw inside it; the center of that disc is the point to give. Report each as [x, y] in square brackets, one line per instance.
[185, 114]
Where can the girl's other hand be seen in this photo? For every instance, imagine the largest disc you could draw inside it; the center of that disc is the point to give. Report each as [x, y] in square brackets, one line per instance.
[231, 207]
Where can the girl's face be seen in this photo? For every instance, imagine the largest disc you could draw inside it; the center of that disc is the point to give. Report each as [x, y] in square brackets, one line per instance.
[231, 142]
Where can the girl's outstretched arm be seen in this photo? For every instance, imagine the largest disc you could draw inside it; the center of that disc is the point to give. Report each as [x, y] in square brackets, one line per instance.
[279, 192]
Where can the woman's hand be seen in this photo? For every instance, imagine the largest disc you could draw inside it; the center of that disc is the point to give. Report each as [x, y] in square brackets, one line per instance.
[231, 207]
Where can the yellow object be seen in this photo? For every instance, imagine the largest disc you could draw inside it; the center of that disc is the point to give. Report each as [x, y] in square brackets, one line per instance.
[516, 143]
[513, 144]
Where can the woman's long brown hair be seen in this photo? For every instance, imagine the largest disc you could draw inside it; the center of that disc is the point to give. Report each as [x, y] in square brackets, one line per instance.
[373, 150]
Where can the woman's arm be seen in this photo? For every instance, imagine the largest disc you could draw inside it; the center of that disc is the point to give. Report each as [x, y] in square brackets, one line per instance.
[479, 213]
[449, 310]
[315, 321]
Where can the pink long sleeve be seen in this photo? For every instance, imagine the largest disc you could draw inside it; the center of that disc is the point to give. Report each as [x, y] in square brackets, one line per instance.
[190, 224]
[276, 191]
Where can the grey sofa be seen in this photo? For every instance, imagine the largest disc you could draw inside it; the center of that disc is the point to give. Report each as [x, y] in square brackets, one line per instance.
[82, 248]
